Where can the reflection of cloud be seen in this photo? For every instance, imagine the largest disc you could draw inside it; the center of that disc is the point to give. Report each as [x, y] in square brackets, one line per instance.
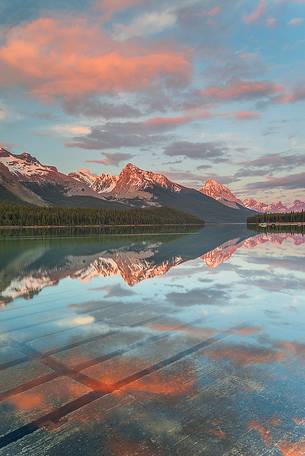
[245, 355]
[198, 296]
[247, 330]
[292, 448]
[59, 391]
[191, 331]
[117, 291]
[290, 263]
[77, 321]
[262, 431]
[157, 383]
[294, 348]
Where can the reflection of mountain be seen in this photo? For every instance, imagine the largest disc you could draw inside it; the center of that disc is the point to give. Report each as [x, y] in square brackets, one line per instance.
[28, 266]
[133, 267]
[224, 252]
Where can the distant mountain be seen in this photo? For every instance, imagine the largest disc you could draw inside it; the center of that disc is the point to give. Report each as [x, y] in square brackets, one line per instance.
[223, 194]
[220, 193]
[259, 206]
[134, 182]
[47, 185]
[12, 191]
[101, 184]
[137, 187]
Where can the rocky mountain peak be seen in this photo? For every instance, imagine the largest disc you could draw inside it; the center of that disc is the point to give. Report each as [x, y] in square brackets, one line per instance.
[4, 152]
[133, 179]
[218, 191]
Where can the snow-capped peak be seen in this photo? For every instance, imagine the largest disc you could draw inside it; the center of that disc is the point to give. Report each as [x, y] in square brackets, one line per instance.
[279, 206]
[4, 152]
[25, 166]
[219, 192]
[104, 183]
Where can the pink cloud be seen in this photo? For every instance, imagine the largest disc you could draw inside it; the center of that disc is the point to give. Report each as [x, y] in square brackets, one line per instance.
[239, 89]
[292, 96]
[214, 11]
[271, 22]
[178, 120]
[246, 115]
[54, 57]
[257, 13]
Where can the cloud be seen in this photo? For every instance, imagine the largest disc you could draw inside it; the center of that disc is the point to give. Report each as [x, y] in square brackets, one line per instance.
[57, 57]
[294, 95]
[70, 130]
[114, 135]
[146, 24]
[3, 113]
[214, 11]
[93, 107]
[276, 161]
[296, 21]
[292, 181]
[215, 152]
[245, 115]
[113, 158]
[257, 13]
[187, 117]
[111, 7]
[271, 22]
[238, 90]
[187, 178]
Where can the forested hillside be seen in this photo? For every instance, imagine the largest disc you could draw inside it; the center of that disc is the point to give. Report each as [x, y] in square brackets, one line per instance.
[291, 217]
[11, 215]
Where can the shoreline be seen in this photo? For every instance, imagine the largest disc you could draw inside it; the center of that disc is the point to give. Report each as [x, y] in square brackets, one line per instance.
[18, 227]
[268, 224]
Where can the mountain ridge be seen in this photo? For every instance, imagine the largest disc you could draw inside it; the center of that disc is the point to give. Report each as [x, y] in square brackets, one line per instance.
[134, 187]
[222, 193]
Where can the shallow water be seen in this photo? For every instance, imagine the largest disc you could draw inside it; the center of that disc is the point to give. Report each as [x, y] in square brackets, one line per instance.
[153, 344]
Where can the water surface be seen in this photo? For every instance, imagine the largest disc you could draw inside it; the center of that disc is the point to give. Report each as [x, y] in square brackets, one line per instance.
[160, 344]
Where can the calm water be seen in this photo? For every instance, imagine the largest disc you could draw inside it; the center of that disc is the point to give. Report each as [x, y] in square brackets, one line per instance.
[153, 344]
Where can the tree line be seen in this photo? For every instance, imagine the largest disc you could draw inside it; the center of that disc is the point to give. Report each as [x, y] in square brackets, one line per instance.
[287, 217]
[11, 215]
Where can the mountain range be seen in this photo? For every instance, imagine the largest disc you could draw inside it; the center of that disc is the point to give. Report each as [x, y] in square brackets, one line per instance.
[24, 179]
[223, 194]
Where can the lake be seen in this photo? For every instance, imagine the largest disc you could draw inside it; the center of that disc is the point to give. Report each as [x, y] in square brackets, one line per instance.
[155, 344]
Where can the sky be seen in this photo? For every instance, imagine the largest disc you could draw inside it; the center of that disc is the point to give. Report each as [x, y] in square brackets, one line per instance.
[194, 89]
